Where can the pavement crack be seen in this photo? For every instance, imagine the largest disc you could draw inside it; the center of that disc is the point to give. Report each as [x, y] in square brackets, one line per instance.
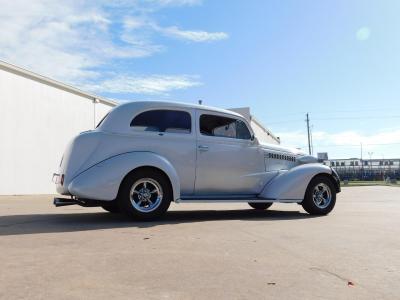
[348, 281]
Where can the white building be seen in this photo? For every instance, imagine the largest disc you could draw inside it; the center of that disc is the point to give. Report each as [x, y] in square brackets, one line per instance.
[262, 133]
[39, 116]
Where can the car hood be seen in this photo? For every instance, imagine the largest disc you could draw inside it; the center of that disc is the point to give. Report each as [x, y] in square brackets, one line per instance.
[280, 148]
[302, 157]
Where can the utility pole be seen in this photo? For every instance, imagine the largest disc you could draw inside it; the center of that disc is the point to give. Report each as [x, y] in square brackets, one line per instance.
[311, 139]
[370, 162]
[361, 161]
[308, 134]
[95, 101]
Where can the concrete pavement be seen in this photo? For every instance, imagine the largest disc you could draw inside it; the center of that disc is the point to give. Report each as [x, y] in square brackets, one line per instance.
[203, 251]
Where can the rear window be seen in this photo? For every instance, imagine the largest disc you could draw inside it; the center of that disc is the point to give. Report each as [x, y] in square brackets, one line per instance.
[172, 121]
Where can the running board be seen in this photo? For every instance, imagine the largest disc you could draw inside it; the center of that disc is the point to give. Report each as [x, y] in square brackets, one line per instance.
[237, 201]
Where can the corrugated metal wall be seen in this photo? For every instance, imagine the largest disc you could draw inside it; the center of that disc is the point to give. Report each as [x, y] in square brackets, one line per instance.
[36, 123]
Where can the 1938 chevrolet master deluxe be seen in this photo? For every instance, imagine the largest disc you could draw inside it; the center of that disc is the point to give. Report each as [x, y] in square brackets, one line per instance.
[143, 155]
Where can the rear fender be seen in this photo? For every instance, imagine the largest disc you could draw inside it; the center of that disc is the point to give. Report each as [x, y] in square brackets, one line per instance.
[102, 181]
[292, 184]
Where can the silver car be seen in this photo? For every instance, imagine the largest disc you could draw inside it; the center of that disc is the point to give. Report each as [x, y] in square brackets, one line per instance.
[143, 155]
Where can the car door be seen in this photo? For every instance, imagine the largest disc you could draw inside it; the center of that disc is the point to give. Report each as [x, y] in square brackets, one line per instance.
[229, 160]
[169, 133]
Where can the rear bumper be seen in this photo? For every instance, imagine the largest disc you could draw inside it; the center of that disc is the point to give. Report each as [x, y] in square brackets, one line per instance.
[61, 188]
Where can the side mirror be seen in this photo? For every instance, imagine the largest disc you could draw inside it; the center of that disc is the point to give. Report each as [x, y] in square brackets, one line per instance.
[252, 138]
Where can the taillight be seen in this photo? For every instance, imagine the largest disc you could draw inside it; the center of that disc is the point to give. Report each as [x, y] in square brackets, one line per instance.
[62, 179]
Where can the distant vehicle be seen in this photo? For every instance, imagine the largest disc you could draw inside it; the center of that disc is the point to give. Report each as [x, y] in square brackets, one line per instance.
[144, 155]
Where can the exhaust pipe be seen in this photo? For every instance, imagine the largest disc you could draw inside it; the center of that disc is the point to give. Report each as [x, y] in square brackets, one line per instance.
[75, 201]
[65, 201]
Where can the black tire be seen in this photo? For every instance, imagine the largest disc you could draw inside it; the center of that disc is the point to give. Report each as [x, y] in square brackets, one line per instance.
[260, 206]
[112, 207]
[325, 207]
[154, 179]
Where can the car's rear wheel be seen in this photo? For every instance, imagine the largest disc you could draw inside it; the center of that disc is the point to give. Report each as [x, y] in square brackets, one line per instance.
[320, 197]
[145, 194]
[260, 206]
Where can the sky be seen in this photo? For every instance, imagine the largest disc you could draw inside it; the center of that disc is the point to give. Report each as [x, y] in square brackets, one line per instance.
[338, 60]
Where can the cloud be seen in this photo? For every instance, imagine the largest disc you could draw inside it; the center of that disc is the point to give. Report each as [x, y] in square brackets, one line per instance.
[65, 40]
[139, 29]
[175, 2]
[195, 36]
[75, 41]
[345, 143]
[150, 85]
[349, 138]
[363, 34]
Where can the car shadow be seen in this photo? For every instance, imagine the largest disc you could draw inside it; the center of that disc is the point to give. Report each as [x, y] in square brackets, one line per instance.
[73, 222]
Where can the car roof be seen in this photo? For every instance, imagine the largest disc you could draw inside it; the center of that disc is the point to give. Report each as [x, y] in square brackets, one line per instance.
[141, 105]
[118, 117]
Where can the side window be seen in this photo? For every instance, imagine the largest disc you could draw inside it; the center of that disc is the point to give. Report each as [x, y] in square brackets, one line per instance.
[172, 121]
[223, 127]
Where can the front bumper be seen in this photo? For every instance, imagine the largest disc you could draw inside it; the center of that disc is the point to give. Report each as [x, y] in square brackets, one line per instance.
[336, 177]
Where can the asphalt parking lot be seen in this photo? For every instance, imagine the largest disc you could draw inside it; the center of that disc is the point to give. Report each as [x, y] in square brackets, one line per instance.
[203, 251]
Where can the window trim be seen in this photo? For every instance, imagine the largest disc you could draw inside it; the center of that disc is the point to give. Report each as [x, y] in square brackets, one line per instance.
[102, 120]
[192, 125]
[222, 115]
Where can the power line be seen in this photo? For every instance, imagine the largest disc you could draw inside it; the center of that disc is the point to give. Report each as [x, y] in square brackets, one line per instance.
[336, 118]
[358, 118]
[330, 112]
[352, 145]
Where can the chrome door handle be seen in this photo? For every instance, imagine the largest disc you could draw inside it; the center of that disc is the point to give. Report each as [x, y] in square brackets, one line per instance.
[203, 148]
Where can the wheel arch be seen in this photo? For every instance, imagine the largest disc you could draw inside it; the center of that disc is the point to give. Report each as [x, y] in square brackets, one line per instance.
[103, 180]
[147, 167]
[335, 182]
[291, 185]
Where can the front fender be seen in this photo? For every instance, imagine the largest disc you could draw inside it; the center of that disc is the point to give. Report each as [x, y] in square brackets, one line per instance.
[292, 184]
[102, 181]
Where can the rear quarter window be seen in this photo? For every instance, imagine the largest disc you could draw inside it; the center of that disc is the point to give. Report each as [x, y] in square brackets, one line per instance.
[172, 121]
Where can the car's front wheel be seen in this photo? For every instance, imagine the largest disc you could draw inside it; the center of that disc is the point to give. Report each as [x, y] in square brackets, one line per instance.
[320, 197]
[145, 194]
[260, 206]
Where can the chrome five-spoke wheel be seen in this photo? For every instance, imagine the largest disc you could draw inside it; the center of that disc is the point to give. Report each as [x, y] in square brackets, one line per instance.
[146, 195]
[322, 195]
